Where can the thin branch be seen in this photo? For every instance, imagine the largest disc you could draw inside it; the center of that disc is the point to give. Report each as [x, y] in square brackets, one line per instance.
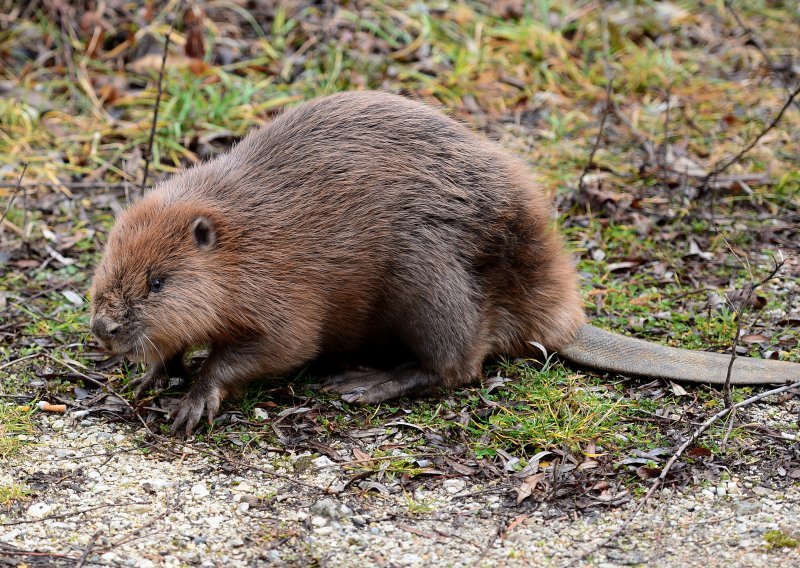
[604, 117]
[751, 145]
[71, 185]
[663, 151]
[759, 43]
[149, 154]
[102, 385]
[14, 194]
[609, 74]
[60, 10]
[740, 312]
[659, 481]
[88, 549]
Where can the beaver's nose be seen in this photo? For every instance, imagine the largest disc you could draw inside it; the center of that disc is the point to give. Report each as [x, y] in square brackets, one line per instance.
[105, 328]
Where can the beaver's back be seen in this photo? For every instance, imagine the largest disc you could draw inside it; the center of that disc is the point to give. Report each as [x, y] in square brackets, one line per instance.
[352, 203]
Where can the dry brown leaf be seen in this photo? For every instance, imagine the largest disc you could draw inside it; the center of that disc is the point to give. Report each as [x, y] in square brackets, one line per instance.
[751, 338]
[527, 486]
[645, 472]
[699, 452]
[194, 20]
[362, 456]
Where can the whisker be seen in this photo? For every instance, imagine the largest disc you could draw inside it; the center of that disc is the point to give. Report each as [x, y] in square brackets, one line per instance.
[160, 356]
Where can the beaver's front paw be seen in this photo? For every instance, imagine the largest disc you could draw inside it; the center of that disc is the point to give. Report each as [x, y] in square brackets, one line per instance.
[154, 379]
[201, 400]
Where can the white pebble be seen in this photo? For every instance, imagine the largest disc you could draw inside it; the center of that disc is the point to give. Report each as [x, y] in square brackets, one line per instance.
[215, 522]
[410, 560]
[200, 490]
[453, 486]
[39, 510]
[322, 462]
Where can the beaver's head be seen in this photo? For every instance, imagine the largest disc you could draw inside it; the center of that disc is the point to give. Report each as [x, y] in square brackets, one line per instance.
[159, 288]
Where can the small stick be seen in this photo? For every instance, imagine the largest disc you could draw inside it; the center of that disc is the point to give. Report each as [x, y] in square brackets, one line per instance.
[149, 154]
[88, 548]
[607, 109]
[662, 154]
[102, 385]
[14, 194]
[728, 430]
[719, 169]
[740, 311]
[758, 42]
[603, 118]
[66, 184]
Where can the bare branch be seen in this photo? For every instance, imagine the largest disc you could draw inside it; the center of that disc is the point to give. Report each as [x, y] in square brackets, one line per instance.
[740, 312]
[14, 194]
[604, 117]
[762, 49]
[721, 168]
[149, 154]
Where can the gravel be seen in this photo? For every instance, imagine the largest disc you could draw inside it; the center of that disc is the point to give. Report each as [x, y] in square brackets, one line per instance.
[155, 509]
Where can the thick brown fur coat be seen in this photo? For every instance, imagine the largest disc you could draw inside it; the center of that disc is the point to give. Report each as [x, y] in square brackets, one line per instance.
[351, 220]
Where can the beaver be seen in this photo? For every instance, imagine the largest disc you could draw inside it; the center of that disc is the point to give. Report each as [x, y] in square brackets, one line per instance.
[356, 219]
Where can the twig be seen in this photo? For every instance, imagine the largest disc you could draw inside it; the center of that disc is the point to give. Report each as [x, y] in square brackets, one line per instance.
[661, 154]
[66, 184]
[721, 168]
[659, 481]
[728, 430]
[740, 311]
[492, 538]
[88, 548]
[603, 118]
[14, 194]
[607, 108]
[73, 513]
[60, 10]
[102, 386]
[34, 553]
[643, 140]
[758, 42]
[149, 154]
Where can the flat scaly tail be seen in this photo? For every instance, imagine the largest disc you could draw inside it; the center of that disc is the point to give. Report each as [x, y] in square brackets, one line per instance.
[602, 350]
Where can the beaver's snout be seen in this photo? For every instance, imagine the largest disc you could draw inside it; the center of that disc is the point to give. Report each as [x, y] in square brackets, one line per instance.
[105, 328]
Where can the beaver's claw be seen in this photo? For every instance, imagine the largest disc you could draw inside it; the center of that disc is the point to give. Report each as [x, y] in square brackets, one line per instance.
[154, 379]
[201, 400]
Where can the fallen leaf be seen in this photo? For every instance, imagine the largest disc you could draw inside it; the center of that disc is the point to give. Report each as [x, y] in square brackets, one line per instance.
[699, 452]
[362, 456]
[73, 297]
[527, 486]
[678, 390]
[193, 20]
[645, 472]
[754, 338]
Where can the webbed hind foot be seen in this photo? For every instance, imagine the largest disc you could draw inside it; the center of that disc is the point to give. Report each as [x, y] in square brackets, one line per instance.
[373, 386]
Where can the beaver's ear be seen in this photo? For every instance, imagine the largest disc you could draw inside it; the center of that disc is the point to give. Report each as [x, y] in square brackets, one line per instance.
[203, 231]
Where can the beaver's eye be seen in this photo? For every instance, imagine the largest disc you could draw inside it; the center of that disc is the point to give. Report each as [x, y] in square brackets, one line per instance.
[156, 284]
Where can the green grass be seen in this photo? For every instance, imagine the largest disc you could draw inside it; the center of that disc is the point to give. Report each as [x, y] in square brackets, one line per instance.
[16, 428]
[776, 539]
[11, 493]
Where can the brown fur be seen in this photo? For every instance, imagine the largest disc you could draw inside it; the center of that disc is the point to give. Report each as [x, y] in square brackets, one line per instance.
[354, 219]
